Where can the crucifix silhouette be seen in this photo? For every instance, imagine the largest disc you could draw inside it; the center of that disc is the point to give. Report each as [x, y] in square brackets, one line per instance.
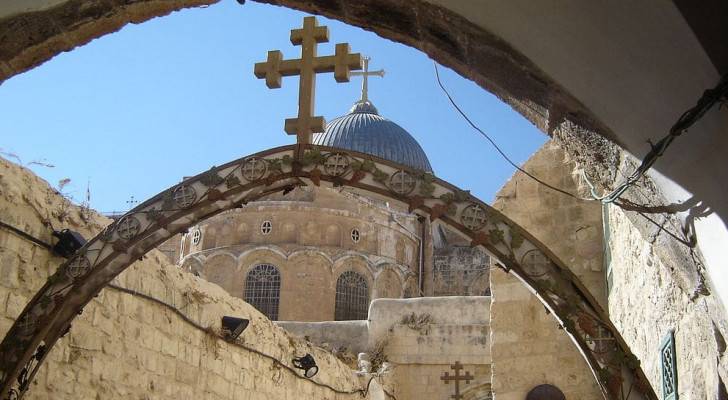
[275, 67]
[365, 74]
[131, 202]
[457, 378]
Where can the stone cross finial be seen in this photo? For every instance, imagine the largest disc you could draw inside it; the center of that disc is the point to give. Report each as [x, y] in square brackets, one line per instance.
[457, 378]
[365, 74]
[341, 64]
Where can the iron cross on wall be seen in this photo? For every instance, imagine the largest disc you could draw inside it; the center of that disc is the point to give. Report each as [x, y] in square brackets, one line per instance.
[456, 378]
[273, 69]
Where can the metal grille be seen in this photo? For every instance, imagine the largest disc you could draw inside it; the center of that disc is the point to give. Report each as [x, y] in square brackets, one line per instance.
[263, 289]
[669, 367]
[352, 297]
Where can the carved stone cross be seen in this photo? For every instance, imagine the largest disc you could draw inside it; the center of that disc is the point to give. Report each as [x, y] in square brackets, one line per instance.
[341, 64]
[457, 378]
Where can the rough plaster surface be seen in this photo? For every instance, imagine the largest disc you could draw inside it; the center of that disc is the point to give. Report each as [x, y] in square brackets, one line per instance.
[352, 336]
[124, 346]
[423, 337]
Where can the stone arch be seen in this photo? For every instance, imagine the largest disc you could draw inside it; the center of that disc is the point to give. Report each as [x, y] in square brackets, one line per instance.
[388, 284]
[276, 250]
[261, 255]
[353, 294]
[356, 261]
[319, 253]
[332, 237]
[308, 274]
[262, 289]
[221, 269]
[49, 314]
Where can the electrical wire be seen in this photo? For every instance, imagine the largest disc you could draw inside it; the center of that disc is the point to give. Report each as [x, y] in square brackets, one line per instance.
[687, 119]
[492, 142]
[193, 323]
[27, 236]
[235, 343]
[709, 98]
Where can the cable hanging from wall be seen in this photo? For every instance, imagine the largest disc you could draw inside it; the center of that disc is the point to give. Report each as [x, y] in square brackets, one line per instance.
[710, 97]
[362, 392]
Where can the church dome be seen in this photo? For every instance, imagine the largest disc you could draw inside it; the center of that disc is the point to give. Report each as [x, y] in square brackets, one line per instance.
[365, 131]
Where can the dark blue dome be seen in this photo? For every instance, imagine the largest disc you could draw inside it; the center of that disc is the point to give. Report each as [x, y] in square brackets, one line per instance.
[365, 131]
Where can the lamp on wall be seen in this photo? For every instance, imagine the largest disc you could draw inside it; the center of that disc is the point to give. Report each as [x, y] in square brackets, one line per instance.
[232, 327]
[68, 242]
[307, 364]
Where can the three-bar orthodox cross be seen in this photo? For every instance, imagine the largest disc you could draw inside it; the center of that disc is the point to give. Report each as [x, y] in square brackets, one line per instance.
[365, 74]
[341, 64]
[457, 378]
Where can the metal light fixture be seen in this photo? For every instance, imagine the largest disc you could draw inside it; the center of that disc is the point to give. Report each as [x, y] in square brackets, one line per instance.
[232, 327]
[307, 364]
[68, 242]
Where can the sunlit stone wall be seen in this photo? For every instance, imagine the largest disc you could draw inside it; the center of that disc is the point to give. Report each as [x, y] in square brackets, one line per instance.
[124, 346]
[527, 347]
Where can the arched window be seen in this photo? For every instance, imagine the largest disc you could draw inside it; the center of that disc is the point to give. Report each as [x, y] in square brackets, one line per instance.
[263, 289]
[352, 297]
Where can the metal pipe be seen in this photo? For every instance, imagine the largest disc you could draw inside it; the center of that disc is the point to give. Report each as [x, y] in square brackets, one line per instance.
[422, 221]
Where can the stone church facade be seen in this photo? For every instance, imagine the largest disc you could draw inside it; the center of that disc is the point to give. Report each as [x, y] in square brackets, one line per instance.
[335, 248]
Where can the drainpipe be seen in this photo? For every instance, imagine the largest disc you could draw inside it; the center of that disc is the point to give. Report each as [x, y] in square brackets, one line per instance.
[422, 221]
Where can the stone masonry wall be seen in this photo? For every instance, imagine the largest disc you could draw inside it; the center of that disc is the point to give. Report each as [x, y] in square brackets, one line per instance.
[124, 346]
[648, 300]
[421, 338]
[527, 347]
[424, 337]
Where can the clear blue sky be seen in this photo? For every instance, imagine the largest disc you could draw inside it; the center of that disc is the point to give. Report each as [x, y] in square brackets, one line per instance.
[136, 110]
